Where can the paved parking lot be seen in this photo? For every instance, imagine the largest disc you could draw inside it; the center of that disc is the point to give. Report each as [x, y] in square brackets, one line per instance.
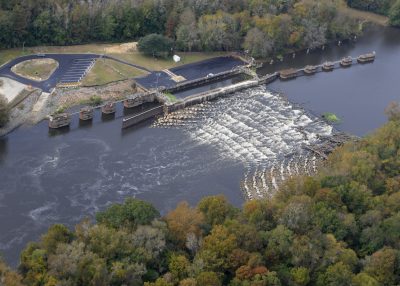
[203, 68]
[77, 70]
[190, 72]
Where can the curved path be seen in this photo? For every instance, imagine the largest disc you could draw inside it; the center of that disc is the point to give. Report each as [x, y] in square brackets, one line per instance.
[65, 61]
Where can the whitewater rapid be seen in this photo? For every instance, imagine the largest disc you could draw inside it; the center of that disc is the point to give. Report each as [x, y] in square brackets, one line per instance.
[258, 128]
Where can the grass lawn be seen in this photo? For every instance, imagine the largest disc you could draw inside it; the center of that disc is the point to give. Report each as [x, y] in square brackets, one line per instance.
[38, 69]
[7, 55]
[106, 71]
[160, 64]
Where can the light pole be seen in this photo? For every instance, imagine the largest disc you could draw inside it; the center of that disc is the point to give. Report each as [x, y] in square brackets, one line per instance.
[158, 76]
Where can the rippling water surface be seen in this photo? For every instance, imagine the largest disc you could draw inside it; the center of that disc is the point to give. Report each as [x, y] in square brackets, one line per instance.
[261, 130]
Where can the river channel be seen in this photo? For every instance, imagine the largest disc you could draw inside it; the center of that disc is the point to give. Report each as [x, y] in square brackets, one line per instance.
[48, 178]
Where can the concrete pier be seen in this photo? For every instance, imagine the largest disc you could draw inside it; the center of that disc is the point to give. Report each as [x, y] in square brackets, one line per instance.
[108, 108]
[86, 113]
[59, 120]
[138, 99]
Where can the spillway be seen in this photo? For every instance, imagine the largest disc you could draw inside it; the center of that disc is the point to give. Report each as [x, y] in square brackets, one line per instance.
[261, 130]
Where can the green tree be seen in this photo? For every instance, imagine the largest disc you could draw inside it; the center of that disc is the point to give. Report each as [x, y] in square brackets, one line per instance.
[363, 279]
[336, 275]
[215, 209]
[130, 214]
[179, 266]
[394, 14]
[155, 45]
[56, 234]
[208, 279]
[300, 276]
[279, 241]
[4, 111]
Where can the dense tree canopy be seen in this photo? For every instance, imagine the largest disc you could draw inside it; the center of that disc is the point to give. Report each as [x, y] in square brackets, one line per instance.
[260, 26]
[377, 6]
[340, 227]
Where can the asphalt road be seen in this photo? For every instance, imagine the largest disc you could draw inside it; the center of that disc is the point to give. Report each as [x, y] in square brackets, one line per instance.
[67, 66]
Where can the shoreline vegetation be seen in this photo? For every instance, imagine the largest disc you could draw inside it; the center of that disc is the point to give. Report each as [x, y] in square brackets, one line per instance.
[262, 28]
[339, 227]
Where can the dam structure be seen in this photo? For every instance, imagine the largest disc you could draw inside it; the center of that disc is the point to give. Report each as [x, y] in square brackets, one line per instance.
[261, 130]
[244, 70]
[195, 76]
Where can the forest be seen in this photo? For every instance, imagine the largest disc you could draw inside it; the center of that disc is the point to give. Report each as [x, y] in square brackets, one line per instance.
[260, 26]
[340, 227]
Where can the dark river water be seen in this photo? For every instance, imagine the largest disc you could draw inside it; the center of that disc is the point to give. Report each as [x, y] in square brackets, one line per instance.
[358, 95]
[62, 178]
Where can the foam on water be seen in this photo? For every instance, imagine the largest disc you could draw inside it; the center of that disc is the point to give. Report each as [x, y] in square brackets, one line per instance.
[259, 129]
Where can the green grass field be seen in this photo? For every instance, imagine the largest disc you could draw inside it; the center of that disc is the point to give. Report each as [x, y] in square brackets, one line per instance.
[160, 64]
[38, 69]
[106, 71]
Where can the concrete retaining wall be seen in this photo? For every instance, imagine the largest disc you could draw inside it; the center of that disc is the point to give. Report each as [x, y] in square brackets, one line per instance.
[135, 119]
[201, 81]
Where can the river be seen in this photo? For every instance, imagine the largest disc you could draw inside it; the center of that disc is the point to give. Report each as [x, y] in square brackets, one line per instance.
[358, 95]
[47, 178]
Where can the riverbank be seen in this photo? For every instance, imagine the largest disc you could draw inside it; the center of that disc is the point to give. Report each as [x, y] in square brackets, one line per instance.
[364, 15]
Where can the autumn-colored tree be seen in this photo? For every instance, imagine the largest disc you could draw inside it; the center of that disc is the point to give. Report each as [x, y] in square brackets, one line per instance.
[383, 266]
[184, 220]
[9, 277]
[216, 248]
